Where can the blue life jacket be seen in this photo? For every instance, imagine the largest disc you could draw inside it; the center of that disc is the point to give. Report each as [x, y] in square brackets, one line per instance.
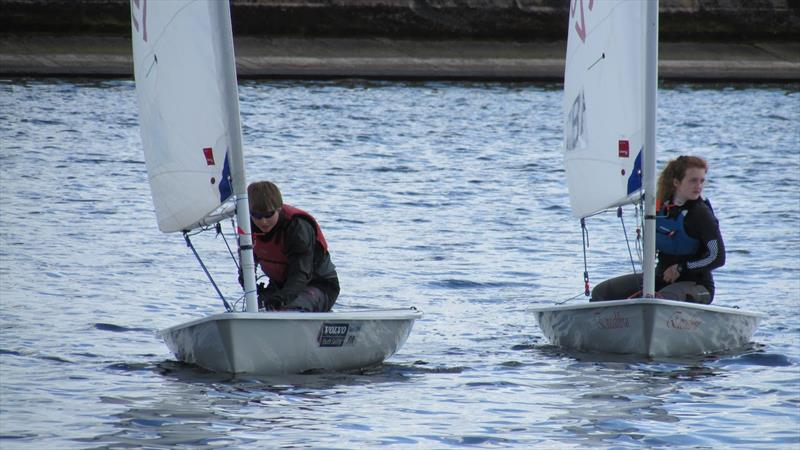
[671, 236]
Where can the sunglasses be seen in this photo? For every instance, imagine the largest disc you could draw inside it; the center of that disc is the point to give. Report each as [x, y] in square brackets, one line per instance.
[259, 216]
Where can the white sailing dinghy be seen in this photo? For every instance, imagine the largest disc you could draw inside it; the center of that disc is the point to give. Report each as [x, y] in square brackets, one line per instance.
[189, 117]
[610, 84]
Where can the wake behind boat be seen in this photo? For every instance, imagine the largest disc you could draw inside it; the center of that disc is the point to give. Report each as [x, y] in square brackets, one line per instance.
[610, 87]
[189, 118]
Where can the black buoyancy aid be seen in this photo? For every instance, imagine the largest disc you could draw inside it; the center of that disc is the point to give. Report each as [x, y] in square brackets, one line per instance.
[671, 235]
[272, 254]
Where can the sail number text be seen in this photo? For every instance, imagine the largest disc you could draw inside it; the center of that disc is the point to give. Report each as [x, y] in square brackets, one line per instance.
[139, 7]
[580, 21]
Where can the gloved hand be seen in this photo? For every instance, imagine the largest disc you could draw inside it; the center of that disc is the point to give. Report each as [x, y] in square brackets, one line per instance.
[265, 301]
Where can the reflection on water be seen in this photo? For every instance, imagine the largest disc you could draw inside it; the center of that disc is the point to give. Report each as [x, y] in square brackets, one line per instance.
[198, 408]
[445, 196]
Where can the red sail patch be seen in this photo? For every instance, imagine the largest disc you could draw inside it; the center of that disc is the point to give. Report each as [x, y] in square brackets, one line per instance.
[624, 149]
[209, 156]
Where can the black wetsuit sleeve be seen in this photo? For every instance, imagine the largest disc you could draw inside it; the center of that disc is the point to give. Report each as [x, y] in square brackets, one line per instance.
[701, 224]
[300, 240]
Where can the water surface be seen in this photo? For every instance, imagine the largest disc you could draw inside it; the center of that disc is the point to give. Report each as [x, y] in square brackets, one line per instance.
[445, 196]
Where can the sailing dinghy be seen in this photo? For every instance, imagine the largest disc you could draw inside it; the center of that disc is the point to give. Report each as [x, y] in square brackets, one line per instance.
[186, 87]
[610, 84]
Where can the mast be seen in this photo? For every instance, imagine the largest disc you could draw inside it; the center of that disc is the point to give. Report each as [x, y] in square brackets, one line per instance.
[649, 157]
[231, 96]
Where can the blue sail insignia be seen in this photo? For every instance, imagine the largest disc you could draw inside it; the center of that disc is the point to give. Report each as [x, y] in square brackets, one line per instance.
[635, 178]
[225, 187]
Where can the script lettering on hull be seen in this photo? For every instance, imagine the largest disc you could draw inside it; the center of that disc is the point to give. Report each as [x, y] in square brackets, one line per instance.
[680, 322]
[613, 321]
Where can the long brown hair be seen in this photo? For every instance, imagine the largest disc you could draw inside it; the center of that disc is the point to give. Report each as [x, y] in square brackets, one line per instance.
[676, 170]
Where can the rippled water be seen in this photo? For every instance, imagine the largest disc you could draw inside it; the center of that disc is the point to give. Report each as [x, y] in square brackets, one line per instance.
[446, 196]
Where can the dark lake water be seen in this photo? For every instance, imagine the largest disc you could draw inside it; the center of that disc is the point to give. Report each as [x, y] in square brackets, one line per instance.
[445, 196]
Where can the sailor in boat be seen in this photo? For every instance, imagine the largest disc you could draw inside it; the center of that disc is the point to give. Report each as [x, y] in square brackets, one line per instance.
[289, 246]
[688, 240]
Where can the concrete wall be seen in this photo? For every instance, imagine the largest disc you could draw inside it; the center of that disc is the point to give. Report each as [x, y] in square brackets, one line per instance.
[521, 20]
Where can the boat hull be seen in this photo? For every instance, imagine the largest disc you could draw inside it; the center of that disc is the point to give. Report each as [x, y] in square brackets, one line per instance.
[274, 343]
[647, 327]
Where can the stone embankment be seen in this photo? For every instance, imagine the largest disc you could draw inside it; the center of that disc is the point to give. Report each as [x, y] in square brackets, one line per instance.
[478, 39]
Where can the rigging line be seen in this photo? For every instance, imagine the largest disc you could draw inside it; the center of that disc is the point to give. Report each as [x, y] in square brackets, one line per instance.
[571, 298]
[219, 232]
[585, 238]
[199, 230]
[627, 241]
[597, 213]
[238, 302]
[639, 210]
[210, 278]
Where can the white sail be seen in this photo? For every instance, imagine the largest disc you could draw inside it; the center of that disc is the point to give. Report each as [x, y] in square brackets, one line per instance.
[182, 112]
[604, 103]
